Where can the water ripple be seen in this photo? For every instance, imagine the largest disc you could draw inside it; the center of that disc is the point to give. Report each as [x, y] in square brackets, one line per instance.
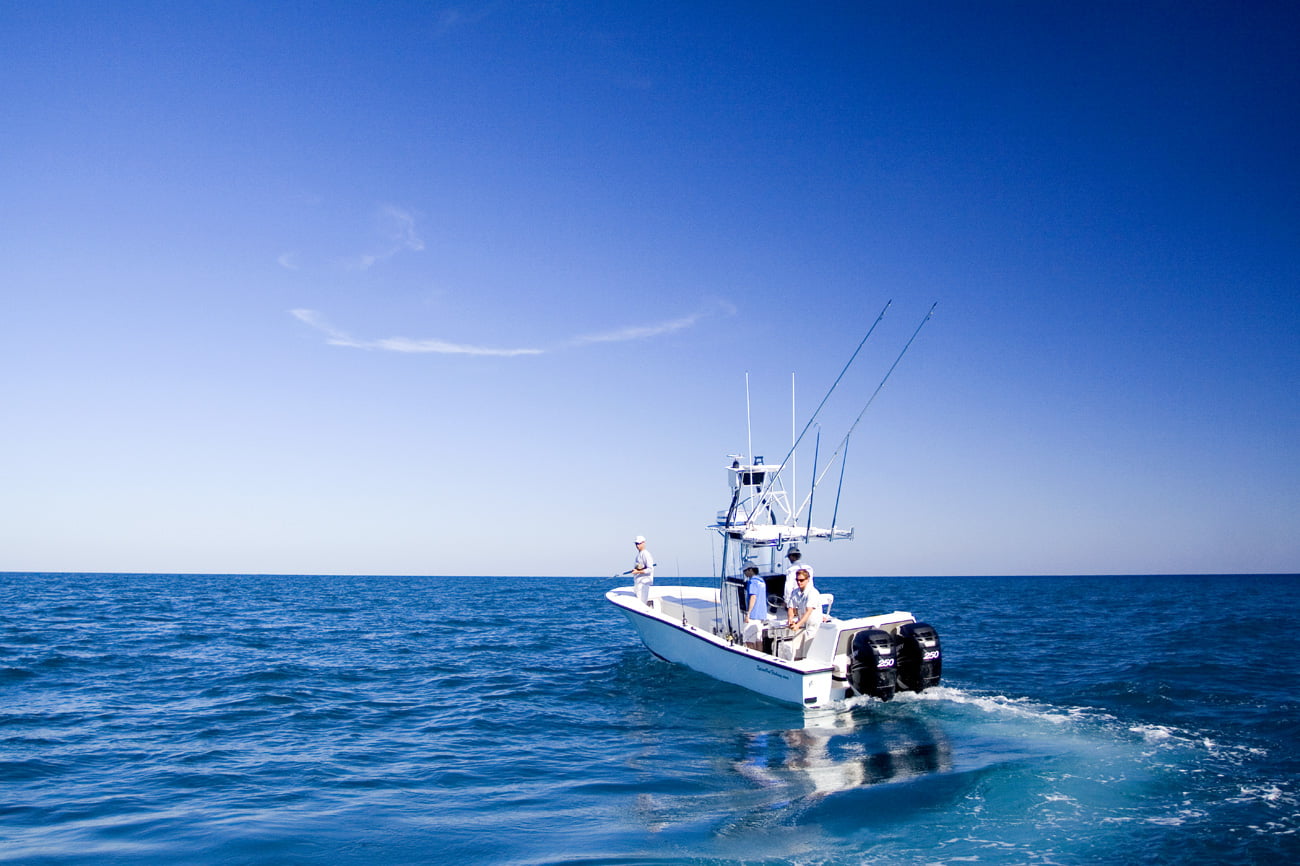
[250, 719]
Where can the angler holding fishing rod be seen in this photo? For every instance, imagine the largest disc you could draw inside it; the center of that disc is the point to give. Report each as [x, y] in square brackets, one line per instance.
[643, 571]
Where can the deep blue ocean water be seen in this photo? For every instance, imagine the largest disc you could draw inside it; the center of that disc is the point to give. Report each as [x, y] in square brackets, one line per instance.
[380, 720]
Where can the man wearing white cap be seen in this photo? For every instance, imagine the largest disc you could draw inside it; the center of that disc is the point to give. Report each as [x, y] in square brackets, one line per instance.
[790, 585]
[643, 571]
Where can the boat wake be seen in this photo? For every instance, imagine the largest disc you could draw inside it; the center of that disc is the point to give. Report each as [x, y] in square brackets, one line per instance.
[967, 767]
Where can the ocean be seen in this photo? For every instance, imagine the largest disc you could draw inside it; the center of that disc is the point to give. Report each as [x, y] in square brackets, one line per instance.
[161, 719]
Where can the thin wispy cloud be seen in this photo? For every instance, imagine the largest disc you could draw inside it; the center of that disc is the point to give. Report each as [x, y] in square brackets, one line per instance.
[333, 336]
[638, 332]
[393, 230]
[401, 227]
[397, 232]
[462, 16]
[658, 329]
[407, 345]
[442, 347]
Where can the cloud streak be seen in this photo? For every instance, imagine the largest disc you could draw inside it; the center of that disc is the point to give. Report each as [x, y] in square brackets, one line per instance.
[436, 346]
[404, 345]
[396, 225]
[638, 332]
[442, 347]
[393, 230]
[645, 332]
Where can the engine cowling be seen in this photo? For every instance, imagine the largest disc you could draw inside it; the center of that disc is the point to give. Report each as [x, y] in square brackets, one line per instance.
[873, 664]
[920, 657]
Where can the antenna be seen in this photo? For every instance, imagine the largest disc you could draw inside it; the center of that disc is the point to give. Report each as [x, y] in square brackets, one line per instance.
[749, 429]
[794, 486]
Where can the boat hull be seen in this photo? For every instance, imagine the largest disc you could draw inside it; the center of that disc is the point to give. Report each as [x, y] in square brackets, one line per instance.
[676, 639]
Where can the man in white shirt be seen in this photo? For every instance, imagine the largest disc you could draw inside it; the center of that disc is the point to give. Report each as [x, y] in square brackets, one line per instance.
[794, 556]
[805, 611]
[643, 571]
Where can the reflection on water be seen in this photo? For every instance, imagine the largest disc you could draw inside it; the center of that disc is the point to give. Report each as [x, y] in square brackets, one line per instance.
[838, 752]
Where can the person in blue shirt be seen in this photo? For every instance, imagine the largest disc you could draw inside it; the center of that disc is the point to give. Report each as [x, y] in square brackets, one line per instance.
[755, 609]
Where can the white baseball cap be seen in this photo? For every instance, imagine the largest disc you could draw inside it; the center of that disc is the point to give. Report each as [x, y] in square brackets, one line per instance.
[640, 539]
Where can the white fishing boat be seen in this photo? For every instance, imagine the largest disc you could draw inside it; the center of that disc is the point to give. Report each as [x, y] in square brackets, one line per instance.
[825, 663]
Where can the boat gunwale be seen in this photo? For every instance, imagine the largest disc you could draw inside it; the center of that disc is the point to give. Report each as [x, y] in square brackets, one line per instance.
[717, 641]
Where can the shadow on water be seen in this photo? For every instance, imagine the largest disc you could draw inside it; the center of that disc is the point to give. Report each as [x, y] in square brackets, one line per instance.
[764, 761]
[834, 752]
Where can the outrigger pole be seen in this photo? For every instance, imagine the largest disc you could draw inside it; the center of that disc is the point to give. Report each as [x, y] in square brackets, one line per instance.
[836, 513]
[816, 449]
[844, 443]
[767, 487]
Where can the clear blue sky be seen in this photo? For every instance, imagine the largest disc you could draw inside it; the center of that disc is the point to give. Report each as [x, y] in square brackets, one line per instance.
[425, 288]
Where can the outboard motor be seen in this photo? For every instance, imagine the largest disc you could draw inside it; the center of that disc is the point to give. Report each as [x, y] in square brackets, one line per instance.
[872, 665]
[920, 660]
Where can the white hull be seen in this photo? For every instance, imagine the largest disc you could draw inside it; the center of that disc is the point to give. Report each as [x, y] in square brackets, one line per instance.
[681, 626]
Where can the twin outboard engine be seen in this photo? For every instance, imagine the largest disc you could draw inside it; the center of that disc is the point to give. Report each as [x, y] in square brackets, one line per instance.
[872, 666]
[920, 660]
[881, 663]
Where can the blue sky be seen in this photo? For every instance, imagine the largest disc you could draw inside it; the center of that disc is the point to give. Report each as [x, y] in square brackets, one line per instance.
[425, 288]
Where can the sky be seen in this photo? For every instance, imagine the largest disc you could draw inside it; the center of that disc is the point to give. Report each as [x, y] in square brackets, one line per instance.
[491, 288]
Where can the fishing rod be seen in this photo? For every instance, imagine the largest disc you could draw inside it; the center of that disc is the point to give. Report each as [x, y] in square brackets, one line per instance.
[836, 513]
[767, 487]
[844, 443]
[807, 533]
[717, 599]
[726, 535]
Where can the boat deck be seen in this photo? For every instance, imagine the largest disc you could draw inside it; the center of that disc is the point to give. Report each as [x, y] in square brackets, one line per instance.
[698, 608]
